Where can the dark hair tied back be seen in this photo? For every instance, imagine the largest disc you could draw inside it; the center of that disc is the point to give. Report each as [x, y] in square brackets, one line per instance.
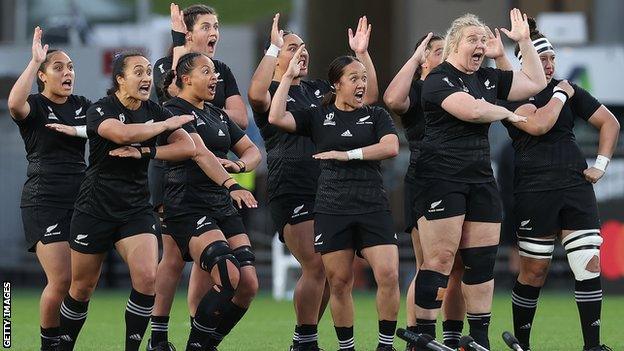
[434, 38]
[119, 65]
[42, 68]
[336, 69]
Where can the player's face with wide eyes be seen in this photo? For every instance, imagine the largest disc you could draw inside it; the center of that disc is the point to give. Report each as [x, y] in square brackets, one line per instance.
[137, 79]
[203, 78]
[205, 34]
[352, 85]
[548, 64]
[471, 47]
[292, 42]
[434, 58]
[59, 74]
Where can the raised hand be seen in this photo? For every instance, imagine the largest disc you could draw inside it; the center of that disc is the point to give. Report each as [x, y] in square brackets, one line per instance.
[421, 51]
[175, 122]
[62, 128]
[38, 52]
[519, 26]
[277, 35]
[495, 47]
[359, 41]
[332, 155]
[294, 67]
[126, 151]
[177, 19]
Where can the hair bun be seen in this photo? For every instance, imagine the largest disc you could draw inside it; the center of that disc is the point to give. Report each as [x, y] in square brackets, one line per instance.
[533, 26]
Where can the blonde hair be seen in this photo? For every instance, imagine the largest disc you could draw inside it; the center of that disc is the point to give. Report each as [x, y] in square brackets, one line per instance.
[454, 33]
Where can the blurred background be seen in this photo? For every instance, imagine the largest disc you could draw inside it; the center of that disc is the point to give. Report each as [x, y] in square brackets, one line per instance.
[590, 51]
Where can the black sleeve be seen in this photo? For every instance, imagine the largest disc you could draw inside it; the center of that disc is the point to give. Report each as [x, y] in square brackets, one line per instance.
[323, 85]
[439, 86]
[98, 113]
[583, 104]
[503, 82]
[236, 133]
[33, 102]
[383, 123]
[414, 94]
[304, 120]
[178, 38]
[231, 88]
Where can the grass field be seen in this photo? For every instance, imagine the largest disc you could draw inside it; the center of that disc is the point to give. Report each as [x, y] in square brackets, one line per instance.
[269, 324]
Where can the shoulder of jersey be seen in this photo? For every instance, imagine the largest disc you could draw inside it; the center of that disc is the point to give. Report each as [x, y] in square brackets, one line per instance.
[163, 64]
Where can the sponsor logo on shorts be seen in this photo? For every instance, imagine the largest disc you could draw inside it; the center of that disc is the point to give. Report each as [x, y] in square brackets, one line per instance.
[346, 133]
[329, 120]
[316, 240]
[364, 120]
[434, 207]
[79, 239]
[524, 224]
[596, 323]
[135, 337]
[526, 326]
[297, 211]
[50, 230]
[202, 222]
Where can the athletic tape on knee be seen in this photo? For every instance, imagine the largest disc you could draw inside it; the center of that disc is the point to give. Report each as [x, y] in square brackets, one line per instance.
[537, 248]
[478, 264]
[245, 256]
[430, 289]
[581, 246]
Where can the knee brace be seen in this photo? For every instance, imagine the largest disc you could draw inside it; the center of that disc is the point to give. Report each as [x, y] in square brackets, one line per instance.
[430, 289]
[245, 256]
[217, 254]
[537, 248]
[581, 246]
[478, 264]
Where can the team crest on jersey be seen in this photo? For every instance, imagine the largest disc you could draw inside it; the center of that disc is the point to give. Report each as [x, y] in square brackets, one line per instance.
[122, 118]
[318, 94]
[329, 120]
[218, 79]
[99, 110]
[488, 85]
[222, 119]
[364, 120]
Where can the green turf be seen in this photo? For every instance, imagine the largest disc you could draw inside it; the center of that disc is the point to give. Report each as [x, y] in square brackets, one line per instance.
[269, 324]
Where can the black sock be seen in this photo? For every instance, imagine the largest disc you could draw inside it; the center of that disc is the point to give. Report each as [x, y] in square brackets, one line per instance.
[452, 332]
[296, 336]
[73, 316]
[160, 329]
[138, 313]
[209, 313]
[386, 333]
[479, 325]
[308, 335]
[232, 315]
[588, 295]
[426, 326]
[49, 338]
[523, 305]
[345, 338]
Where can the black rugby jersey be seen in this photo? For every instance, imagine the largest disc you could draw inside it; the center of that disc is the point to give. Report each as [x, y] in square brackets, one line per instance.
[413, 120]
[115, 188]
[291, 168]
[553, 160]
[453, 149]
[56, 162]
[226, 83]
[187, 188]
[355, 186]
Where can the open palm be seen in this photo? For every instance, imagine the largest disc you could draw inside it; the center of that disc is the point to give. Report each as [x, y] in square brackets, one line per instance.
[519, 26]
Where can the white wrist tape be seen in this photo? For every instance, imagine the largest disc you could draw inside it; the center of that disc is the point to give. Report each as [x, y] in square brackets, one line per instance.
[81, 131]
[273, 50]
[601, 163]
[561, 96]
[355, 154]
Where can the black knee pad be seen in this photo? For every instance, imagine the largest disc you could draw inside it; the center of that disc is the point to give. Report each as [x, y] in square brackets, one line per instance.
[245, 256]
[217, 254]
[478, 264]
[430, 289]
